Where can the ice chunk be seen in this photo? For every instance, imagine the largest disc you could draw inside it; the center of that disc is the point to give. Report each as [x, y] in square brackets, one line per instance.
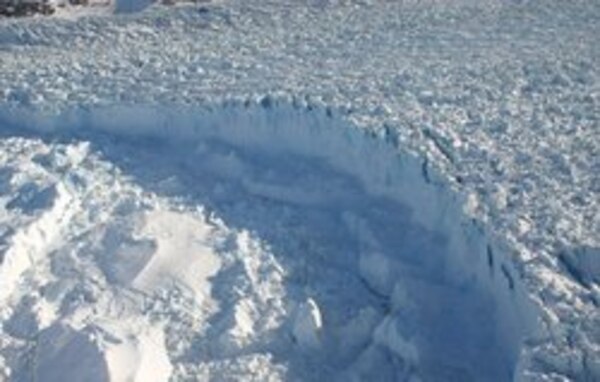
[308, 324]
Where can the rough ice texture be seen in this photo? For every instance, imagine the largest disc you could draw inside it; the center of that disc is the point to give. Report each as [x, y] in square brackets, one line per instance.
[497, 102]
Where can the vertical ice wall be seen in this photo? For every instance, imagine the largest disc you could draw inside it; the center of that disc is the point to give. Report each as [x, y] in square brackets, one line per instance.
[473, 260]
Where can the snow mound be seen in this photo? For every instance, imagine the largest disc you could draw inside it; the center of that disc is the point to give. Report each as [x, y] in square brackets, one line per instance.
[100, 354]
[168, 249]
[260, 239]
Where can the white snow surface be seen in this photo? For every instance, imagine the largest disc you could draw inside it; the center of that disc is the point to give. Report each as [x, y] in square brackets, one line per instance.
[302, 190]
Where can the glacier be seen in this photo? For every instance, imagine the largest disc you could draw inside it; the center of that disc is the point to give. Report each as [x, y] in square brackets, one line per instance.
[302, 190]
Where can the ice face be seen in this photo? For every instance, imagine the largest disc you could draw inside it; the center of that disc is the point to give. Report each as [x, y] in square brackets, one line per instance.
[278, 232]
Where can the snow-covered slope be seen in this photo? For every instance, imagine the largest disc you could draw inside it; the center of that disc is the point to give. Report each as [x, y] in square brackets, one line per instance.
[350, 190]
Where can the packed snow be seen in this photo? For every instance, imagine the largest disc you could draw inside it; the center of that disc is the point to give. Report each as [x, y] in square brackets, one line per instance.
[302, 190]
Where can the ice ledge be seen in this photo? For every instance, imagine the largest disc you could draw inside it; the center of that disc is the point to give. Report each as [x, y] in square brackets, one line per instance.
[477, 249]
